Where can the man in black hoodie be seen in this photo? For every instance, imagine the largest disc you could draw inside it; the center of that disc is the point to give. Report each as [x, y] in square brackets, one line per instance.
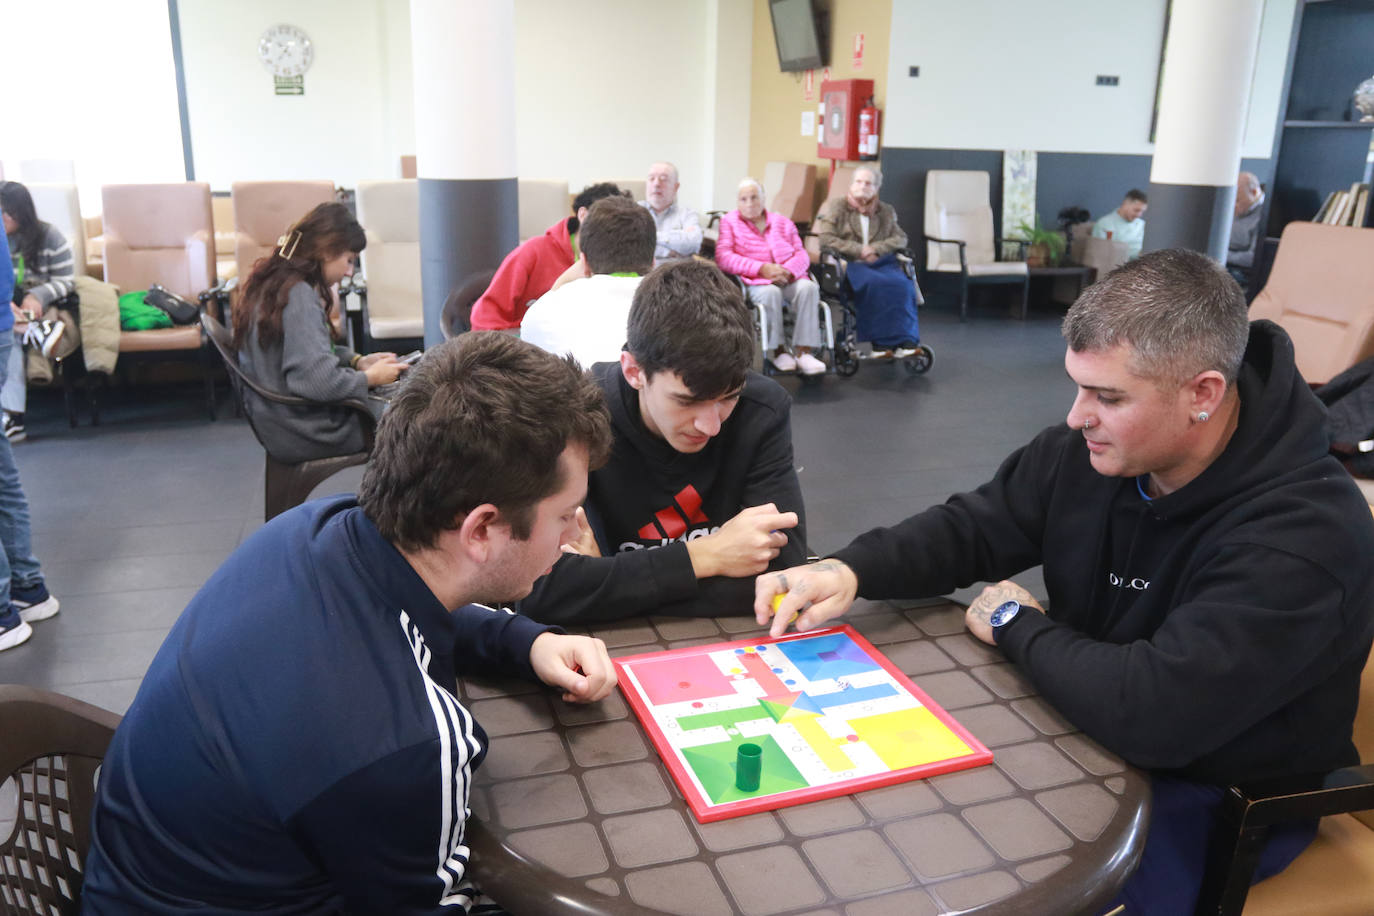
[1207, 563]
[700, 494]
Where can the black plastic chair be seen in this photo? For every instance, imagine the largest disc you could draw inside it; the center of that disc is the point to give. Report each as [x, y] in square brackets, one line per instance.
[51, 748]
[1251, 810]
[288, 483]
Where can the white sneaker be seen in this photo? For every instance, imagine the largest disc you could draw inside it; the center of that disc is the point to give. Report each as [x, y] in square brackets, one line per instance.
[809, 365]
[44, 335]
[904, 352]
[784, 361]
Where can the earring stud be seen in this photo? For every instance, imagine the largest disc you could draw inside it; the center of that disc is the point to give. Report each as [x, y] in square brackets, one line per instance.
[1203, 416]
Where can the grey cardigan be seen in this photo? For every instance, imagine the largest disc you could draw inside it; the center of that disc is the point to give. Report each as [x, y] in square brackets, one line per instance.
[839, 228]
[305, 363]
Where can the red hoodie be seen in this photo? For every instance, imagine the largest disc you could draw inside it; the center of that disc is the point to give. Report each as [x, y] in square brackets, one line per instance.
[525, 275]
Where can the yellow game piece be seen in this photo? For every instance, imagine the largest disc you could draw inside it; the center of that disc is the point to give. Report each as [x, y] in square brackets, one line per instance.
[777, 602]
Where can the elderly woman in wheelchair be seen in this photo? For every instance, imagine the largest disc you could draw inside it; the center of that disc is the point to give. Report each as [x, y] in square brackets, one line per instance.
[764, 251]
[862, 234]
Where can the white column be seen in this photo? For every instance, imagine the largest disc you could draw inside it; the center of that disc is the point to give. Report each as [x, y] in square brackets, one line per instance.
[1208, 65]
[464, 66]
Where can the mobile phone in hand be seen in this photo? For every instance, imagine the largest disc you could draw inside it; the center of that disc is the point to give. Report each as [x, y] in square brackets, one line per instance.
[412, 357]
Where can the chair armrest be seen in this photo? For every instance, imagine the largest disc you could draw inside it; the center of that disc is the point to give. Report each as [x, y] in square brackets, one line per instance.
[1020, 244]
[1247, 813]
[963, 250]
[1296, 798]
[715, 216]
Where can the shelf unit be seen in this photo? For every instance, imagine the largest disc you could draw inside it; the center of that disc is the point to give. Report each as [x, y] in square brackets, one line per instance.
[1320, 146]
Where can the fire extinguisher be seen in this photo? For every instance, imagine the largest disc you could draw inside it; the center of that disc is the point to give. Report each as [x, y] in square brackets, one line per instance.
[869, 119]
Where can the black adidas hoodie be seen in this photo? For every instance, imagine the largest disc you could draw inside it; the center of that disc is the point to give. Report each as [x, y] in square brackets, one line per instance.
[1219, 631]
[650, 499]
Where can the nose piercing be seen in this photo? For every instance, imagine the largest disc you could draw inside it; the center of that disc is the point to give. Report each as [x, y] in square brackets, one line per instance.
[1087, 424]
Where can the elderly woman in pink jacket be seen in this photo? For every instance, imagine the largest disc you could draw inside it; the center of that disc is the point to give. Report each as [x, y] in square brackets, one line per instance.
[764, 250]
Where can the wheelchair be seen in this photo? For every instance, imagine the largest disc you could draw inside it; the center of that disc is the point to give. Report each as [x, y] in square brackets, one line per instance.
[825, 353]
[830, 273]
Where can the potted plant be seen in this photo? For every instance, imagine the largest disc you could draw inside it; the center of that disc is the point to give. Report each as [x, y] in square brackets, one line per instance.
[1044, 247]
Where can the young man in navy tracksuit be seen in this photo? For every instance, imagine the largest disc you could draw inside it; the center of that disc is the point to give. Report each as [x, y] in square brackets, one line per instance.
[700, 493]
[296, 745]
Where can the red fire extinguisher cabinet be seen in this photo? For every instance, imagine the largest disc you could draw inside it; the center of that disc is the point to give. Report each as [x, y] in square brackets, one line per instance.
[839, 135]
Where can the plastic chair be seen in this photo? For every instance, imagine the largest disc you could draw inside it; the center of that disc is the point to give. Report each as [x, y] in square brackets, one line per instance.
[1335, 875]
[456, 317]
[958, 234]
[52, 746]
[288, 484]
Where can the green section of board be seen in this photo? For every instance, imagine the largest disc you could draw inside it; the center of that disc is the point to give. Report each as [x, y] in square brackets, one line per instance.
[726, 718]
[714, 766]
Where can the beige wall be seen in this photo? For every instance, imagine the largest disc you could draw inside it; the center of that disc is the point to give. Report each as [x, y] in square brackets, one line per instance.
[776, 100]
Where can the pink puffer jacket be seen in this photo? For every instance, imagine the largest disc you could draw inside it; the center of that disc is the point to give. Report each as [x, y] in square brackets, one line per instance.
[741, 250]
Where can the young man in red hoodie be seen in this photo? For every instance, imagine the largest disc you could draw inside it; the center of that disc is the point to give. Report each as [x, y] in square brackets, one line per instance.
[530, 270]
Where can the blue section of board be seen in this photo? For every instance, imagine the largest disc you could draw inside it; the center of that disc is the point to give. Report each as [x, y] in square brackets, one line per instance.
[852, 695]
[831, 656]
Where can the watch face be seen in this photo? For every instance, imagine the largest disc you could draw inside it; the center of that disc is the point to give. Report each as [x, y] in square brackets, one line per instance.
[286, 50]
[1004, 613]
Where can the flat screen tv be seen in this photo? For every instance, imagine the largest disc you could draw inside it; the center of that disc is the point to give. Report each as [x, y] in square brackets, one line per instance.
[798, 34]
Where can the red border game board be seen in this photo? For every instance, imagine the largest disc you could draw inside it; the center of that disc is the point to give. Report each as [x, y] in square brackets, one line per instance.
[829, 712]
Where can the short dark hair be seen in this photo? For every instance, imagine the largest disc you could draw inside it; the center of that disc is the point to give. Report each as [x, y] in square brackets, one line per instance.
[618, 235]
[1137, 194]
[1179, 311]
[484, 418]
[594, 192]
[689, 318]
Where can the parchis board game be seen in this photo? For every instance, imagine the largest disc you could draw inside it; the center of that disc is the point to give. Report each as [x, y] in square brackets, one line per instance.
[766, 723]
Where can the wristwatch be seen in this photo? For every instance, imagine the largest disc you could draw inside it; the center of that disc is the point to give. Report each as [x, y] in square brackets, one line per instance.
[1004, 614]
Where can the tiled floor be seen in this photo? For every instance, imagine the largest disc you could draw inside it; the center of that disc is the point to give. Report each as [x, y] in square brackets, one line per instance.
[129, 518]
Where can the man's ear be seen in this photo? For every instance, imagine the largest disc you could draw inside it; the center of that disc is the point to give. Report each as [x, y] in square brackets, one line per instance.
[481, 530]
[630, 368]
[1207, 391]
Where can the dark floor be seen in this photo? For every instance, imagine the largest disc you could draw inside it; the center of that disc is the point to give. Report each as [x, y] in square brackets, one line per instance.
[131, 517]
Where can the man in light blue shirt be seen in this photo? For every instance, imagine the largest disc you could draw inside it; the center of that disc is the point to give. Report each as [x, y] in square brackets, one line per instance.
[1124, 224]
[679, 227]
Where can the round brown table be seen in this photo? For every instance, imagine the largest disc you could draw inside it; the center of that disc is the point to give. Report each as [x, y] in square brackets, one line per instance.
[573, 812]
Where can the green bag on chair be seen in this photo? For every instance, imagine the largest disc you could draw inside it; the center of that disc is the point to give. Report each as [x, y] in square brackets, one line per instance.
[137, 315]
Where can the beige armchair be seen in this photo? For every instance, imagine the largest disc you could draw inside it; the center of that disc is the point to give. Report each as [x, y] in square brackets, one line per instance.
[390, 214]
[959, 239]
[58, 204]
[1104, 255]
[222, 211]
[162, 233]
[1321, 291]
[791, 190]
[543, 202]
[264, 210]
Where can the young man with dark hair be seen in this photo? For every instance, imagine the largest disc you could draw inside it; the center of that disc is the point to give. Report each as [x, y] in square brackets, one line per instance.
[584, 315]
[1125, 224]
[1211, 599]
[296, 745]
[700, 493]
[530, 270]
